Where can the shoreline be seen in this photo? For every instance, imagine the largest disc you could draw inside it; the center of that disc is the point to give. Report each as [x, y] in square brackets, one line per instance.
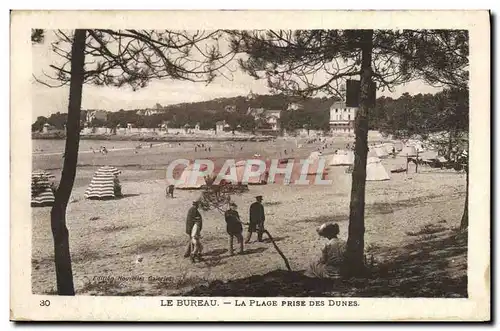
[149, 138]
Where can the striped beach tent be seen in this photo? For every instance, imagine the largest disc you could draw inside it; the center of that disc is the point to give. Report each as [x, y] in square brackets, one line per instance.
[41, 191]
[102, 185]
[408, 151]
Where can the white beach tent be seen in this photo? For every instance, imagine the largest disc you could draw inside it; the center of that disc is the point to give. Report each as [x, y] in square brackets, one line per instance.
[192, 178]
[375, 171]
[102, 185]
[428, 155]
[371, 152]
[398, 145]
[388, 147]
[315, 160]
[341, 158]
[409, 151]
[314, 155]
[380, 151]
[419, 146]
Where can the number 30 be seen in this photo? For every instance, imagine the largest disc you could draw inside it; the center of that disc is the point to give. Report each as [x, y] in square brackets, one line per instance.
[45, 303]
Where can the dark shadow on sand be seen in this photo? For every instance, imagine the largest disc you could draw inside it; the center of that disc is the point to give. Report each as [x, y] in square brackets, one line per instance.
[425, 267]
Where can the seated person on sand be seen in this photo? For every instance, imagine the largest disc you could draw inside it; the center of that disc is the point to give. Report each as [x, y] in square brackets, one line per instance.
[332, 254]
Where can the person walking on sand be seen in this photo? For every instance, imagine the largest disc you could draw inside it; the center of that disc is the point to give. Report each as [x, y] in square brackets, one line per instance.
[234, 227]
[193, 216]
[257, 218]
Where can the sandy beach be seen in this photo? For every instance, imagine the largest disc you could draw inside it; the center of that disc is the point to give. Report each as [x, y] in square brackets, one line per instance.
[135, 245]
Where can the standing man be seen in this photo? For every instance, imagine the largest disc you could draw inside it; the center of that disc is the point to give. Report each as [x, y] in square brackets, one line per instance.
[257, 218]
[193, 217]
[234, 227]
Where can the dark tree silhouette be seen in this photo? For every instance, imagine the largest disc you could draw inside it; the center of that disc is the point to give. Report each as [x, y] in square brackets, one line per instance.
[62, 257]
[117, 58]
[306, 62]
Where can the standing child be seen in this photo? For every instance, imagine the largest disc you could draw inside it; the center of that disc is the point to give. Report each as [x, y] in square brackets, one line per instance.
[196, 246]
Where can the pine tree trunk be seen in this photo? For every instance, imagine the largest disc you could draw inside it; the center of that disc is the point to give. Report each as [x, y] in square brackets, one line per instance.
[464, 223]
[355, 241]
[60, 233]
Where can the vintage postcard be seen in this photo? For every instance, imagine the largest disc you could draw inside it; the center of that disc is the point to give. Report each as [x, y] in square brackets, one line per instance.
[250, 166]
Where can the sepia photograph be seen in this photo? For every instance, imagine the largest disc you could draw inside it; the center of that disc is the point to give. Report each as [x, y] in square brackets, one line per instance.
[269, 167]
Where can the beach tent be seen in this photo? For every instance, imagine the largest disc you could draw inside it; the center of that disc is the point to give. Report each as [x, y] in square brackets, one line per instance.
[398, 145]
[419, 146]
[192, 178]
[102, 185]
[314, 155]
[428, 155]
[342, 158]
[241, 167]
[371, 152]
[388, 147]
[375, 171]
[380, 152]
[41, 191]
[409, 151]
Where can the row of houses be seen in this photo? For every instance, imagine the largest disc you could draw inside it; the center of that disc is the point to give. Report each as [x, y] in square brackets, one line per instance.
[341, 116]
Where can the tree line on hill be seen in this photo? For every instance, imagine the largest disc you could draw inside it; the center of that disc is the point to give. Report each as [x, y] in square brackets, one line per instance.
[403, 117]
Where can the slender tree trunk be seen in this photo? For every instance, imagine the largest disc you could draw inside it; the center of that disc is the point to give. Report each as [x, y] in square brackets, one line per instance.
[60, 233]
[464, 224]
[355, 242]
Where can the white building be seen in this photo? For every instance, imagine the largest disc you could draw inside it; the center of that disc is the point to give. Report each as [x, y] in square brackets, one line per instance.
[270, 116]
[342, 117]
[273, 118]
[149, 112]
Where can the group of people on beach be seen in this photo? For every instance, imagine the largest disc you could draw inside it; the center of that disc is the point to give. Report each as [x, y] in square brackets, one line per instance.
[234, 228]
[328, 265]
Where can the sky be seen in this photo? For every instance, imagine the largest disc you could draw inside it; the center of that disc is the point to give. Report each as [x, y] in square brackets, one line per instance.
[48, 100]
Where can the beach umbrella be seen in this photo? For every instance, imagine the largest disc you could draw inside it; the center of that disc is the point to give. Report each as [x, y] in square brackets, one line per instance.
[342, 158]
[102, 185]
